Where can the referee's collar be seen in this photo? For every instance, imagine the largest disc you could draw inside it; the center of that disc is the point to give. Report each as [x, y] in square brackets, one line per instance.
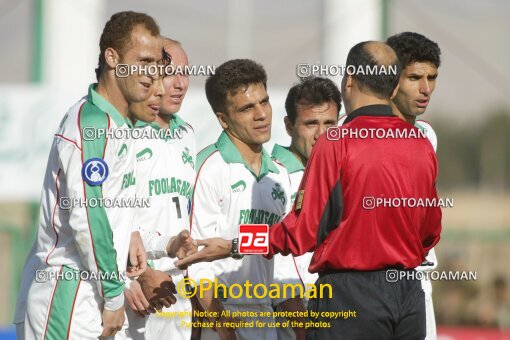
[378, 110]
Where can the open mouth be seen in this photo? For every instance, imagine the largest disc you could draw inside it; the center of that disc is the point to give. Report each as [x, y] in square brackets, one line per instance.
[154, 108]
[422, 103]
[263, 128]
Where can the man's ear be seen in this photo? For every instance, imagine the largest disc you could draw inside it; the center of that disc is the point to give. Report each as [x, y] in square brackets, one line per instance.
[395, 91]
[112, 57]
[288, 125]
[222, 120]
[349, 83]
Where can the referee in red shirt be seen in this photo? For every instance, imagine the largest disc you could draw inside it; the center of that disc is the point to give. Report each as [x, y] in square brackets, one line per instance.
[356, 243]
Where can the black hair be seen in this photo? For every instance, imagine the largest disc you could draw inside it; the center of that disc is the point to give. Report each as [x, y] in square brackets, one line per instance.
[380, 83]
[313, 91]
[117, 33]
[413, 47]
[231, 77]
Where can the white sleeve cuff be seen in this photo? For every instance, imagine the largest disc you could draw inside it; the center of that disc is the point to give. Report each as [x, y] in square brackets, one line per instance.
[201, 270]
[157, 249]
[127, 283]
[114, 303]
[161, 244]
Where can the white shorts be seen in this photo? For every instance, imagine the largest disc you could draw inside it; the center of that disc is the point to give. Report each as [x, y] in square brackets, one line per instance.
[63, 309]
[426, 285]
[160, 326]
[429, 310]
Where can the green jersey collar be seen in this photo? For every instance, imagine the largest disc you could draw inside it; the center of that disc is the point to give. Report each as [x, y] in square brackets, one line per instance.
[419, 126]
[105, 106]
[176, 122]
[287, 158]
[230, 154]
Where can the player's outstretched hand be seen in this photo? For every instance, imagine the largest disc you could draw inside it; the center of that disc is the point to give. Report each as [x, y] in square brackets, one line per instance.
[136, 300]
[137, 256]
[112, 321]
[213, 249]
[158, 288]
[181, 245]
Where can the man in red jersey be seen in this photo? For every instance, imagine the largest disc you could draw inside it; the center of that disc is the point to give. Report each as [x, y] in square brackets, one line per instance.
[365, 252]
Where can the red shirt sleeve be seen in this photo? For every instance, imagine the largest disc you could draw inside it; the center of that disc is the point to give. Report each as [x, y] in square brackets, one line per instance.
[317, 208]
[431, 229]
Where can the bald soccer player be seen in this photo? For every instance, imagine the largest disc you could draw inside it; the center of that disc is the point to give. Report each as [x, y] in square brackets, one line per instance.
[362, 251]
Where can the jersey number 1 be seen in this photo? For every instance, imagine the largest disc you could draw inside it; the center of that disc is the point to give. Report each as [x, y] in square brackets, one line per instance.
[177, 206]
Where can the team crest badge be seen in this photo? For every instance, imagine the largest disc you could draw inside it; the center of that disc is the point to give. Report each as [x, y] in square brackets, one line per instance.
[94, 171]
[186, 158]
[278, 193]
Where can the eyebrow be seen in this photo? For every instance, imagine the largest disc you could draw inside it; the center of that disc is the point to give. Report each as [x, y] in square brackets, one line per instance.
[310, 121]
[250, 105]
[422, 74]
[146, 58]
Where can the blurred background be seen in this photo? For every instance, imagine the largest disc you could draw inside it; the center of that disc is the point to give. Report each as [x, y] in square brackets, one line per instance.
[50, 49]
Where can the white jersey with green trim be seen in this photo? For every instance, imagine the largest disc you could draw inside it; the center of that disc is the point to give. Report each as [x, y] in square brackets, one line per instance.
[165, 175]
[296, 170]
[227, 194]
[431, 258]
[429, 132]
[75, 230]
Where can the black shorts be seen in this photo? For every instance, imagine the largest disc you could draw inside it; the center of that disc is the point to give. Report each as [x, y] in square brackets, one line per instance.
[371, 308]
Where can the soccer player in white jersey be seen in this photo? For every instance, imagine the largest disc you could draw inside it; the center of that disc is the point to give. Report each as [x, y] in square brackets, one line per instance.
[85, 165]
[312, 106]
[420, 59]
[165, 174]
[238, 183]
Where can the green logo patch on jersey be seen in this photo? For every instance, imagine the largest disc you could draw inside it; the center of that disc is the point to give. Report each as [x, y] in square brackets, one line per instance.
[186, 158]
[123, 149]
[144, 155]
[128, 180]
[278, 193]
[238, 186]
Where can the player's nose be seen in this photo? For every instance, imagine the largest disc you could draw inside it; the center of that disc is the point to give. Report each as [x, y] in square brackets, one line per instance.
[260, 112]
[322, 128]
[179, 82]
[160, 88]
[425, 88]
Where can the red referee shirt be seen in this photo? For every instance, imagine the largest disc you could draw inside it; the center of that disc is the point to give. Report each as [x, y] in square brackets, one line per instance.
[328, 216]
